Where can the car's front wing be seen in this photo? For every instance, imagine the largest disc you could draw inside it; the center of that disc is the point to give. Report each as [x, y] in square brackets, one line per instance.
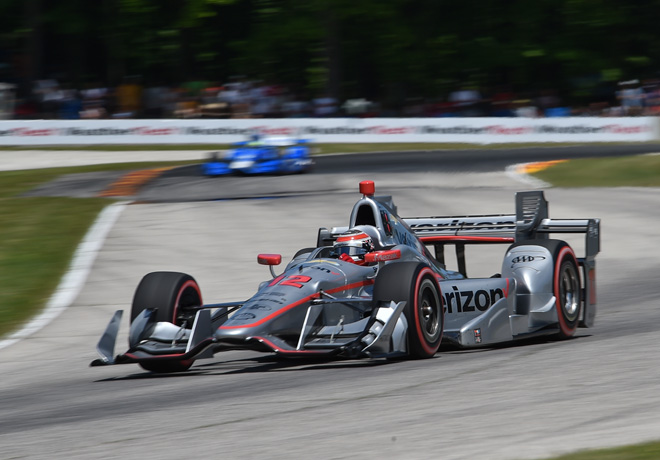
[383, 333]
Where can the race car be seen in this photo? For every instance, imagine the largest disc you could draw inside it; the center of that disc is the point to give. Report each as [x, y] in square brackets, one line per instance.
[374, 289]
[269, 155]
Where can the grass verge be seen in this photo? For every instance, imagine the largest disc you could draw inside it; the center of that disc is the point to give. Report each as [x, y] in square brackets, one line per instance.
[37, 239]
[647, 451]
[38, 236]
[632, 171]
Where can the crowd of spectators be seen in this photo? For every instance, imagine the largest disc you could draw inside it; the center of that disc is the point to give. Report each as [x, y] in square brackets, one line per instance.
[253, 99]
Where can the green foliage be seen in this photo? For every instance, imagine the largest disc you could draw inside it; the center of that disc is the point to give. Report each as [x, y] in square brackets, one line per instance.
[380, 50]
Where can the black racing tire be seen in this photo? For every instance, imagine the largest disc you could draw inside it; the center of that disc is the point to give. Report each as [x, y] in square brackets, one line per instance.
[566, 285]
[417, 285]
[170, 293]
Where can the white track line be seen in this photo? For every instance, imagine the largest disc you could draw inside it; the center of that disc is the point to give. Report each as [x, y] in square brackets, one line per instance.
[72, 282]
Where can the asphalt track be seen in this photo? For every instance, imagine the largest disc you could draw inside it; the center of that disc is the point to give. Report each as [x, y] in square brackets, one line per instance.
[530, 400]
[331, 174]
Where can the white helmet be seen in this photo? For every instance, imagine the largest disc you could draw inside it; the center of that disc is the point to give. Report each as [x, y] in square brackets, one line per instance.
[355, 243]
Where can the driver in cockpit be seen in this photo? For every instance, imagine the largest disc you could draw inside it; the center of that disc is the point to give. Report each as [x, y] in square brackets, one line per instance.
[355, 243]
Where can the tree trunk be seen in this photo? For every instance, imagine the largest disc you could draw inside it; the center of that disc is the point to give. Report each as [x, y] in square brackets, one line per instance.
[115, 68]
[33, 44]
[332, 53]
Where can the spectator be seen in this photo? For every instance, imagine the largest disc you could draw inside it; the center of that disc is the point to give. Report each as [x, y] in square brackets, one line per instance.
[525, 108]
[70, 105]
[448, 110]
[359, 108]
[325, 106]
[466, 101]
[154, 101]
[94, 101]
[49, 96]
[414, 107]
[295, 108]
[502, 103]
[631, 97]
[260, 101]
[129, 98]
[26, 109]
[652, 98]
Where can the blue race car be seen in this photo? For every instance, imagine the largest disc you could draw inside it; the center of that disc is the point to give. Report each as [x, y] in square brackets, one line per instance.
[275, 155]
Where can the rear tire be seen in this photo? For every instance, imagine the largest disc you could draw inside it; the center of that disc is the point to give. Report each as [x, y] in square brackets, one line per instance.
[567, 291]
[416, 284]
[566, 286]
[170, 293]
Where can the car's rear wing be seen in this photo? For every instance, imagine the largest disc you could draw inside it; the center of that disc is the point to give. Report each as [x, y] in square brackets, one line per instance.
[530, 222]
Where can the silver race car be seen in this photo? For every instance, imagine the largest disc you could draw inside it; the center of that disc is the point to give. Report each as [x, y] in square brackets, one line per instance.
[378, 288]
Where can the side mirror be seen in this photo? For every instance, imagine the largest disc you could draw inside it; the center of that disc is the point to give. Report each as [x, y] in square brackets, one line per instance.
[270, 260]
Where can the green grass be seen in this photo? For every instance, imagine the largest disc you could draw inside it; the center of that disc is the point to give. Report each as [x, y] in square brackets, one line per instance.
[38, 236]
[634, 171]
[648, 451]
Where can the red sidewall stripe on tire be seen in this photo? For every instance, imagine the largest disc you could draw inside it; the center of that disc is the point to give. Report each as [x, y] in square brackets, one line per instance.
[186, 285]
[565, 328]
[420, 334]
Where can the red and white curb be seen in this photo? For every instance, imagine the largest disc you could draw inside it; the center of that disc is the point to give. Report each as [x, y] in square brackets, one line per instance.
[522, 172]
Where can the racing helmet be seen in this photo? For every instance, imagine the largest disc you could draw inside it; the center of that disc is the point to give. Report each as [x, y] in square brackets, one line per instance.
[354, 243]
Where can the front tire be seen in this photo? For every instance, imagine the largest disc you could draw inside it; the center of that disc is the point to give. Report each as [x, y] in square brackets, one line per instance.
[171, 294]
[416, 284]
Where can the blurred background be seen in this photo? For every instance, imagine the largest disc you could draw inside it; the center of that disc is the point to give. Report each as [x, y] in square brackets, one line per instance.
[72, 59]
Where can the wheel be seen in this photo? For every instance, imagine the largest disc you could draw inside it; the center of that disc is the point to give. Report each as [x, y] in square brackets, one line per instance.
[171, 293]
[566, 286]
[416, 284]
[167, 366]
[567, 291]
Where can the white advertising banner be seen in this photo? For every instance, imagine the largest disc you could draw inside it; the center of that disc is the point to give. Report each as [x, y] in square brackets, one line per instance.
[331, 130]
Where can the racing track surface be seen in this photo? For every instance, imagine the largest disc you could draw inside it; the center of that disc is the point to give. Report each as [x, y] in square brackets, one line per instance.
[525, 401]
[331, 173]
